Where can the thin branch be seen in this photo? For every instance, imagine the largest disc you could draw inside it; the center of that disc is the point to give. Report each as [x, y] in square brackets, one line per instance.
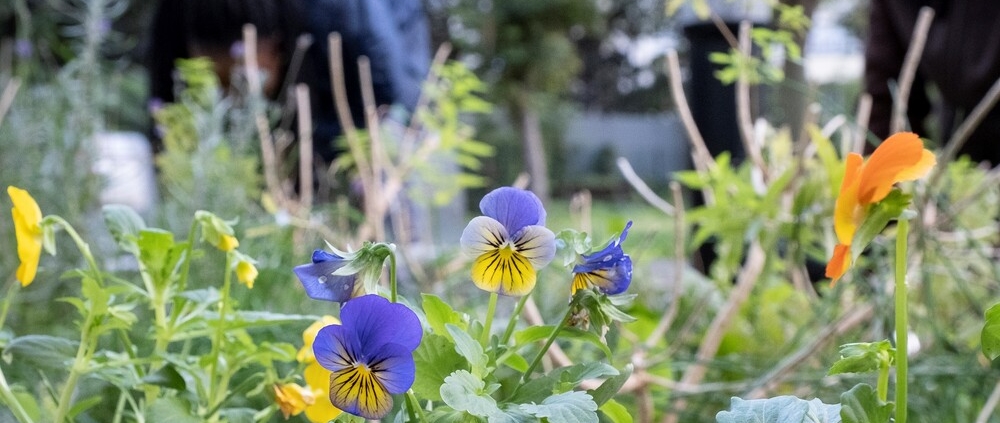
[744, 119]
[863, 117]
[909, 70]
[380, 163]
[703, 160]
[991, 404]
[268, 156]
[305, 149]
[848, 321]
[640, 186]
[679, 264]
[970, 123]
[7, 98]
[713, 337]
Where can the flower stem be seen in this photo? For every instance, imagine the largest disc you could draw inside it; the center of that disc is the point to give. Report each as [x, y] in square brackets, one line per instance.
[392, 276]
[902, 230]
[883, 382]
[512, 323]
[545, 348]
[217, 390]
[484, 338]
[413, 408]
[7, 397]
[7, 300]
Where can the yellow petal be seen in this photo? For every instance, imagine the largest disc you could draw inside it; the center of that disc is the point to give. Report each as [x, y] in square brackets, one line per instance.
[306, 354]
[846, 211]
[504, 271]
[318, 380]
[358, 386]
[292, 399]
[246, 273]
[25, 204]
[919, 170]
[27, 217]
[227, 243]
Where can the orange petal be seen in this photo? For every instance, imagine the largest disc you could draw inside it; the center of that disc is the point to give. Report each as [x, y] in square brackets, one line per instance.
[902, 151]
[839, 263]
[919, 170]
[847, 202]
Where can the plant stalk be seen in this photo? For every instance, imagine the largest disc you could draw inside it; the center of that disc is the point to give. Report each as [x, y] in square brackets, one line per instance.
[484, 338]
[902, 231]
[548, 344]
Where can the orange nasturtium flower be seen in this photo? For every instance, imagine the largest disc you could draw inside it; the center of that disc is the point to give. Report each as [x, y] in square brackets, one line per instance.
[293, 399]
[28, 232]
[902, 157]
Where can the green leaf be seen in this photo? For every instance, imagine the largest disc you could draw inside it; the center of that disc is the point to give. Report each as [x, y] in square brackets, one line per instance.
[468, 348]
[47, 352]
[573, 375]
[167, 377]
[439, 313]
[124, 225]
[538, 333]
[28, 403]
[990, 338]
[879, 216]
[567, 407]
[170, 409]
[863, 357]
[610, 387]
[435, 358]
[615, 412]
[465, 392]
[783, 409]
[861, 405]
[82, 405]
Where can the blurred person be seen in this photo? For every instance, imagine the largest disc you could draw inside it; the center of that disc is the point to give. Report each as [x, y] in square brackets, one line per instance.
[392, 34]
[960, 61]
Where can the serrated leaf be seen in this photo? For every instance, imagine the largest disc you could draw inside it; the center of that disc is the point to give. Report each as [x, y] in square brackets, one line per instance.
[861, 405]
[465, 392]
[440, 313]
[615, 412]
[577, 373]
[990, 337]
[567, 407]
[610, 387]
[435, 359]
[124, 225]
[783, 409]
[863, 357]
[468, 348]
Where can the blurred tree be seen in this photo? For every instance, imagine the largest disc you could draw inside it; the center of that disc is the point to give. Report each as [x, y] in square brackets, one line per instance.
[527, 50]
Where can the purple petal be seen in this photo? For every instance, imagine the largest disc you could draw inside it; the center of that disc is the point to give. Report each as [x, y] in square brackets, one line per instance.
[321, 284]
[514, 208]
[481, 235]
[334, 348]
[320, 256]
[613, 278]
[606, 257]
[394, 366]
[537, 244]
[378, 322]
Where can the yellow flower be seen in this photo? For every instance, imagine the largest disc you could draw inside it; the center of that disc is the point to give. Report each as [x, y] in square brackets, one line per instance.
[246, 273]
[227, 243]
[28, 232]
[293, 399]
[318, 379]
[901, 157]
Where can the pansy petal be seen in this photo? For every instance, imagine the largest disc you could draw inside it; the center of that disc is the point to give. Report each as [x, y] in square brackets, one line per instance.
[394, 367]
[358, 391]
[335, 349]
[839, 263]
[613, 278]
[320, 283]
[320, 256]
[483, 234]
[504, 271]
[378, 322]
[514, 208]
[893, 157]
[318, 379]
[537, 244]
[844, 222]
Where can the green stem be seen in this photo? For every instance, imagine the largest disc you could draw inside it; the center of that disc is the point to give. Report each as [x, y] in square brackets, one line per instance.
[902, 230]
[484, 338]
[85, 351]
[548, 344]
[8, 398]
[220, 335]
[7, 300]
[392, 276]
[413, 408]
[512, 323]
[883, 382]
[185, 271]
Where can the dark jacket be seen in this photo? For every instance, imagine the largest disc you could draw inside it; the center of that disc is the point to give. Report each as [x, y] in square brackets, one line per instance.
[961, 59]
